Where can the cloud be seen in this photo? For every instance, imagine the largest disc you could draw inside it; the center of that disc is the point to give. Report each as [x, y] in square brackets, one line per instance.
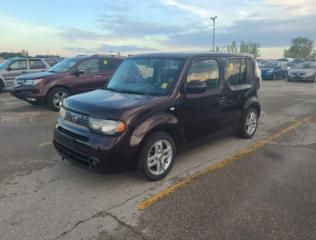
[73, 34]
[125, 48]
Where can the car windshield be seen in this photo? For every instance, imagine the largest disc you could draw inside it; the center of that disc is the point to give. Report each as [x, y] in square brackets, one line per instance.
[269, 64]
[64, 66]
[146, 76]
[5, 64]
[305, 66]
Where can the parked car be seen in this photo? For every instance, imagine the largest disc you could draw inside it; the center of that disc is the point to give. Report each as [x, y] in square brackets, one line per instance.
[155, 105]
[14, 67]
[258, 74]
[70, 76]
[303, 72]
[273, 70]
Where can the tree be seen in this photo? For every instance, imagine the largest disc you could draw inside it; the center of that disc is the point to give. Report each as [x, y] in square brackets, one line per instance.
[250, 47]
[301, 47]
[232, 47]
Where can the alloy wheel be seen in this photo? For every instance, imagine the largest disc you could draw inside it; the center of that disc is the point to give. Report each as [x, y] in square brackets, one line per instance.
[159, 157]
[58, 98]
[251, 123]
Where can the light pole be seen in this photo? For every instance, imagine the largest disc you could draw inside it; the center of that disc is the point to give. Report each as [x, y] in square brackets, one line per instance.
[213, 19]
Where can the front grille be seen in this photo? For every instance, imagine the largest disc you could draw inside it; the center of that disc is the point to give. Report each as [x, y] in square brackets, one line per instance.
[77, 118]
[72, 155]
[72, 134]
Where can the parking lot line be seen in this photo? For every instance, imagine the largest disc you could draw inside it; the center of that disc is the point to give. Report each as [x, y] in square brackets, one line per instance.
[45, 144]
[249, 149]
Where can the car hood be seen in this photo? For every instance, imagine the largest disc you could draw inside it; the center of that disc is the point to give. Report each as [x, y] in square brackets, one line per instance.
[303, 71]
[37, 75]
[106, 104]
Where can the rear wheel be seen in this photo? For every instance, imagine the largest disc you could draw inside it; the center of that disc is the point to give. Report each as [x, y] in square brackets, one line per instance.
[56, 96]
[157, 156]
[249, 123]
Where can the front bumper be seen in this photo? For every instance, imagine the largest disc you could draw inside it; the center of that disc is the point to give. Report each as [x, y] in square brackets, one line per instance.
[27, 94]
[93, 151]
[301, 78]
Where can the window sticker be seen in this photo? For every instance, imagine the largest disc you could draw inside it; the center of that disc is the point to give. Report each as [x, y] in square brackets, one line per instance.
[164, 85]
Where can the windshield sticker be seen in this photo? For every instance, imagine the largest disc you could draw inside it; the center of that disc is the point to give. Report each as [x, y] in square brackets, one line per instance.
[164, 85]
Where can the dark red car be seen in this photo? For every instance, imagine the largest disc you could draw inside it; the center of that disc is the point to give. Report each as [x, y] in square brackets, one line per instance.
[70, 76]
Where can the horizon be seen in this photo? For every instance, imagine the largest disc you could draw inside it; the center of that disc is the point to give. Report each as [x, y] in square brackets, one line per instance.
[149, 26]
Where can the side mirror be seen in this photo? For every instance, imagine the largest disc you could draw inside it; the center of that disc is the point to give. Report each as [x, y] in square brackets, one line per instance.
[78, 72]
[196, 87]
[9, 69]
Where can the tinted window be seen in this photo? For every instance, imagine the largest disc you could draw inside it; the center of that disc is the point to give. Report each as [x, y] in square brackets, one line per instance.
[237, 71]
[90, 66]
[109, 65]
[51, 62]
[206, 71]
[18, 65]
[37, 64]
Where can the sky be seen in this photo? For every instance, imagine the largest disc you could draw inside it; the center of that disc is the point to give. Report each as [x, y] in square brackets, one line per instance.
[109, 26]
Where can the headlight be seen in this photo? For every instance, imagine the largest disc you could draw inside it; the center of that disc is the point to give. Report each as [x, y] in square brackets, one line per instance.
[62, 112]
[32, 82]
[106, 126]
[309, 74]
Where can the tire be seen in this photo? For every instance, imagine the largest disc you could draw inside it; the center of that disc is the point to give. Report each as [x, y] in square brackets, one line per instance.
[56, 96]
[1, 86]
[155, 144]
[249, 123]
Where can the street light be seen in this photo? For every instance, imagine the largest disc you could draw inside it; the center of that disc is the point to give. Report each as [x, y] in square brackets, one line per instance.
[213, 19]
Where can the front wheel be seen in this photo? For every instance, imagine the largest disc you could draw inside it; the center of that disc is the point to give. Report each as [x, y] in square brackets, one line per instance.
[157, 156]
[55, 98]
[249, 123]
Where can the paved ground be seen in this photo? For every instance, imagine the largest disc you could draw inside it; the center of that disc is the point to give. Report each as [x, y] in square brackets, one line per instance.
[267, 194]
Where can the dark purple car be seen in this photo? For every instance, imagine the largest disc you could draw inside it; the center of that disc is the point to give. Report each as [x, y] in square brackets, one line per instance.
[155, 105]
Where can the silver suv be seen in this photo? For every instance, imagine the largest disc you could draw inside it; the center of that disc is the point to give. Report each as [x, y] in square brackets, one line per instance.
[14, 67]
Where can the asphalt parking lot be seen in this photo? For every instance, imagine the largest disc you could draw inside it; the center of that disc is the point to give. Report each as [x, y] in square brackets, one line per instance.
[262, 188]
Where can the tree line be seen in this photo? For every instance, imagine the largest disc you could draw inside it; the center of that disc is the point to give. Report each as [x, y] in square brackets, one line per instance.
[301, 48]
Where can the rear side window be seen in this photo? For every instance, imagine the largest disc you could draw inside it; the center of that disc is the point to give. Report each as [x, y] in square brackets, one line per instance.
[37, 64]
[206, 71]
[51, 62]
[18, 65]
[237, 71]
[109, 65]
[90, 66]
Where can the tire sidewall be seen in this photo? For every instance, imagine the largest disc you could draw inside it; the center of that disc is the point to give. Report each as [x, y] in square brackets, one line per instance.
[51, 94]
[243, 130]
[148, 142]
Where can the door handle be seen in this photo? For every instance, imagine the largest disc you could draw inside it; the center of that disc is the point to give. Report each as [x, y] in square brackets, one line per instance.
[96, 77]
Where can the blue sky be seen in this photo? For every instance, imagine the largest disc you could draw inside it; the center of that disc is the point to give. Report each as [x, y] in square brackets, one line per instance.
[74, 27]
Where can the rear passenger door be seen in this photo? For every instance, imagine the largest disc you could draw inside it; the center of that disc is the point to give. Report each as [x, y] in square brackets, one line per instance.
[238, 86]
[37, 65]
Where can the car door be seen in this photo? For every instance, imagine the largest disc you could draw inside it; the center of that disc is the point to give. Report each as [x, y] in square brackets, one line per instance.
[238, 86]
[88, 77]
[201, 112]
[16, 68]
[37, 65]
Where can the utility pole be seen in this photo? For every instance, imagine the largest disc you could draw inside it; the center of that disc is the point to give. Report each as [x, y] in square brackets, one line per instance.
[213, 19]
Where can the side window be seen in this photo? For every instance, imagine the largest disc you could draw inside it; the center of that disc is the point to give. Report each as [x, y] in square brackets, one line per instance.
[109, 65]
[206, 71]
[51, 62]
[37, 64]
[90, 66]
[18, 65]
[237, 71]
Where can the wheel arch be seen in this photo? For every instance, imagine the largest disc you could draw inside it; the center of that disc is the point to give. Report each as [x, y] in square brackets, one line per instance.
[54, 87]
[253, 102]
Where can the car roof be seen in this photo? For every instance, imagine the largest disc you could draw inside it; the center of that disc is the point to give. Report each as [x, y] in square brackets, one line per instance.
[186, 55]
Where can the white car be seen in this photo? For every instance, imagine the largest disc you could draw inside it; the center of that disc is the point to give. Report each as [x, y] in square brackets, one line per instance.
[258, 74]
